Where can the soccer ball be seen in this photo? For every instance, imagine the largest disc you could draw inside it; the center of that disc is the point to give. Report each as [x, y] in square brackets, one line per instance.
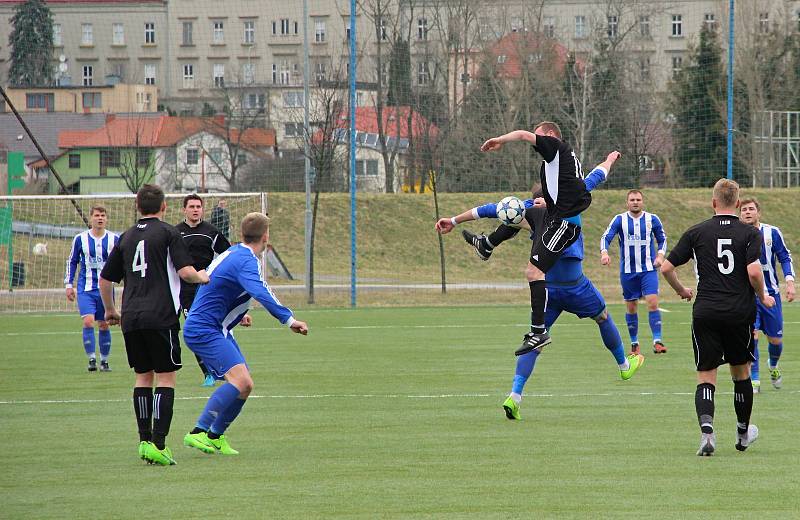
[511, 211]
[40, 249]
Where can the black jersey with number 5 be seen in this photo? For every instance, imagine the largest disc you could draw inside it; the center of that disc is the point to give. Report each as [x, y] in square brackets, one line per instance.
[562, 178]
[722, 247]
[148, 257]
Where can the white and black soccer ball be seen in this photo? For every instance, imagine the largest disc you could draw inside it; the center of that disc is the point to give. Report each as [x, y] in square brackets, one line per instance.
[511, 211]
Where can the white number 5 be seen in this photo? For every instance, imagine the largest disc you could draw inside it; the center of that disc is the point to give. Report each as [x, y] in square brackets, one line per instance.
[724, 254]
[139, 263]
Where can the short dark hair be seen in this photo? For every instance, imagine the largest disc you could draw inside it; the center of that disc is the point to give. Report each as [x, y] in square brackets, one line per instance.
[549, 126]
[750, 200]
[192, 196]
[254, 225]
[98, 208]
[149, 199]
[633, 191]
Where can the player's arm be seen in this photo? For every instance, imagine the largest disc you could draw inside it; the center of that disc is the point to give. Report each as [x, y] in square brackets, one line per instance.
[72, 266]
[605, 241]
[661, 241]
[496, 143]
[600, 172]
[755, 273]
[446, 225]
[112, 272]
[785, 258]
[677, 257]
[250, 279]
[220, 244]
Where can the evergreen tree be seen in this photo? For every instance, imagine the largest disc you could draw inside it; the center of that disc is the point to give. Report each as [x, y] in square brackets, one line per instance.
[31, 43]
[399, 75]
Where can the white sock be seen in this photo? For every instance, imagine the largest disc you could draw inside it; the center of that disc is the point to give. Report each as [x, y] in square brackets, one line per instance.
[92, 356]
[517, 398]
[103, 358]
[625, 366]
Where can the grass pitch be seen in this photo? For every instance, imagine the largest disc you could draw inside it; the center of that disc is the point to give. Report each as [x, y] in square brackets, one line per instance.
[395, 413]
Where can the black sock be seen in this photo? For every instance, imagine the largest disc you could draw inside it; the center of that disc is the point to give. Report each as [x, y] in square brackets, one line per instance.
[143, 409]
[212, 435]
[163, 399]
[704, 404]
[196, 430]
[500, 235]
[743, 403]
[201, 365]
[538, 301]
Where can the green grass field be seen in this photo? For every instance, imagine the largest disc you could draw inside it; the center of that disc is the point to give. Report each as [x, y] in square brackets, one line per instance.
[395, 413]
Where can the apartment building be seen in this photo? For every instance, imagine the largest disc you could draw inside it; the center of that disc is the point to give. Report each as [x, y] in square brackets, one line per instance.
[102, 98]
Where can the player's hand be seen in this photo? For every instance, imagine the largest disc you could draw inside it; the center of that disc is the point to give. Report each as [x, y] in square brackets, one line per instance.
[112, 317]
[613, 156]
[604, 259]
[492, 145]
[790, 292]
[767, 300]
[686, 294]
[247, 320]
[658, 261]
[299, 327]
[71, 294]
[203, 276]
[444, 225]
[539, 202]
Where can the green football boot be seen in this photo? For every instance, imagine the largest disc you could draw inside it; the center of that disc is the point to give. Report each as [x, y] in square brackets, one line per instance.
[199, 441]
[512, 409]
[635, 361]
[221, 446]
[155, 456]
[142, 448]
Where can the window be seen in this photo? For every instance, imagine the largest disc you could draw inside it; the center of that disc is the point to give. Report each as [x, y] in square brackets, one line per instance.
[798, 21]
[254, 100]
[645, 163]
[274, 74]
[187, 33]
[423, 74]
[150, 33]
[92, 100]
[422, 28]
[88, 75]
[319, 72]
[644, 26]
[763, 23]
[485, 31]
[249, 32]
[192, 156]
[87, 36]
[296, 27]
[143, 157]
[215, 154]
[45, 101]
[109, 158]
[58, 39]
[385, 73]
[249, 73]
[149, 73]
[188, 75]
[549, 26]
[319, 31]
[580, 26]
[219, 75]
[368, 168]
[710, 21]
[285, 74]
[274, 27]
[371, 140]
[217, 32]
[293, 129]
[613, 26]
[644, 68]
[284, 26]
[382, 26]
[74, 160]
[293, 98]
[501, 58]
[242, 158]
[677, 25]
[677, 66]
[347, 32]
[117, 34]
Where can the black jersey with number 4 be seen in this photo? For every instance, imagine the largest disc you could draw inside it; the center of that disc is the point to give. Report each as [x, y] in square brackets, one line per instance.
[562, 178]
[148, 257]
[722, 247]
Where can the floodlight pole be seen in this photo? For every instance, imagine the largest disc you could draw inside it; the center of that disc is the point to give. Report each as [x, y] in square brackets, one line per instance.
[307, 154]
[730, 88]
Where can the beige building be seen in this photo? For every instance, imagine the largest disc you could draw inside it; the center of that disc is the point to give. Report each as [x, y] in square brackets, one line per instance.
[113, 98]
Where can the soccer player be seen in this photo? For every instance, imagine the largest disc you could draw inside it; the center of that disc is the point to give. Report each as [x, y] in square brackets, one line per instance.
[566, 196]
[726, 253]
[204, 242]
[219, 306]
[769, 320]
[150, 257]
[568, 290]
[90, 250]
[638, 264]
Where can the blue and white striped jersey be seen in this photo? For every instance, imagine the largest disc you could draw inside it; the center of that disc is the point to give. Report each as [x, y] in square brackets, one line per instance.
[235, 277]
[637, 249]
[774, 248]
[91, 254]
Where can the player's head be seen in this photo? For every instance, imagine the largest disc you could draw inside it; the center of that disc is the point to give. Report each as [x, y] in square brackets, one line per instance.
[193, 208]
[548, 128]
[635, 202]
[97, 217]
[150, 200]
[255, 230]
[726, 196]
[750, 211]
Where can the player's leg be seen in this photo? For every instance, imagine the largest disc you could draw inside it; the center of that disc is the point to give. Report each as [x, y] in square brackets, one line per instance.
[485, 245]
[103, 333]
[87, 306]
[631, 292]
[738, 352]
[755, 369]
[772, 325]
[650, 291]
[707, 343]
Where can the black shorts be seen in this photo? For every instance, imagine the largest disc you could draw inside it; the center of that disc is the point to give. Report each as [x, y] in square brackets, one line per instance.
[717, 342]
[153, 350]
[556, 237]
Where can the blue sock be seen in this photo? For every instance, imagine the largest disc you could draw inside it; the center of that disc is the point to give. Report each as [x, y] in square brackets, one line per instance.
[775, 352]
[227, 416]
[655, 324]
[88, 341]
[612, 340]
[633, 326]
[754, 372]
[105, 343]
[222, 398]
[525, 364]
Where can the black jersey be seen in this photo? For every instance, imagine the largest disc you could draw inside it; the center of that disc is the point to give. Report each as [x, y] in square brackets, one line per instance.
[204, 242]
[722, 247]
[562, 178]
[148, 257]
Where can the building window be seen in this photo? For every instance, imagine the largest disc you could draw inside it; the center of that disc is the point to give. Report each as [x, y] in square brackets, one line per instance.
[87, 35]
[187, 33]
[249, 32]
[117, 34]
[215, 154]
[677, 66]
[580, 26]
[274, 74]
[549, 26]
[644, 68]
[501, 58]
[74, 160]
[382, 27]
[92, 100]
[422, 28]
[149, 73]
[217, 32]
[219, 75]
[763, 23]
[188, 75]
[677, 25]
[423, 73]
[385, 73]
[149, 33]
[109, 158]
[293, 129]
[254, 100]
[710, 21]
[485, 30]
[274, 28]
[319, 72]
[347, 32]
[249, 73]
[192, 156]
[45, 101]
[319, 31]
[516, 24]
[368, 168]
[285, 74]
[143, 157]
[58, 39]
[644, 26]
[88, 75]
[284, 26]
[296, 27]
[613, 26]
[293, 99]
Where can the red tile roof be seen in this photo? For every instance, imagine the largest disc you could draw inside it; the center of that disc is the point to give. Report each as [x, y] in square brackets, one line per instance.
[395, 122]
[13, 2]
[517, 48]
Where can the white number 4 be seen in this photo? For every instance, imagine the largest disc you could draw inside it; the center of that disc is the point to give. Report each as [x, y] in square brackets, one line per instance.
[724, 254]
[139, 263]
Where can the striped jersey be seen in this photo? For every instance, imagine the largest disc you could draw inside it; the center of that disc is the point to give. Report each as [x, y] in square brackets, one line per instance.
[636, 245]
[90, 253]
[774, 248]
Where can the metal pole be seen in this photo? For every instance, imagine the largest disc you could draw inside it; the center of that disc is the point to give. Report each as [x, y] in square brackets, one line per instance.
[307, 151]
[352, 153]
[730, 88]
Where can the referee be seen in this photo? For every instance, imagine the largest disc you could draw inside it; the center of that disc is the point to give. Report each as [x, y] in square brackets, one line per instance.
[726, 253]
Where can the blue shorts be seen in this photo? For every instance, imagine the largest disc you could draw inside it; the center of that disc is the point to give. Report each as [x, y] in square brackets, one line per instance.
[582, 299]
[636, 285]
[220, 353]
[89, 302]
[770, 321]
